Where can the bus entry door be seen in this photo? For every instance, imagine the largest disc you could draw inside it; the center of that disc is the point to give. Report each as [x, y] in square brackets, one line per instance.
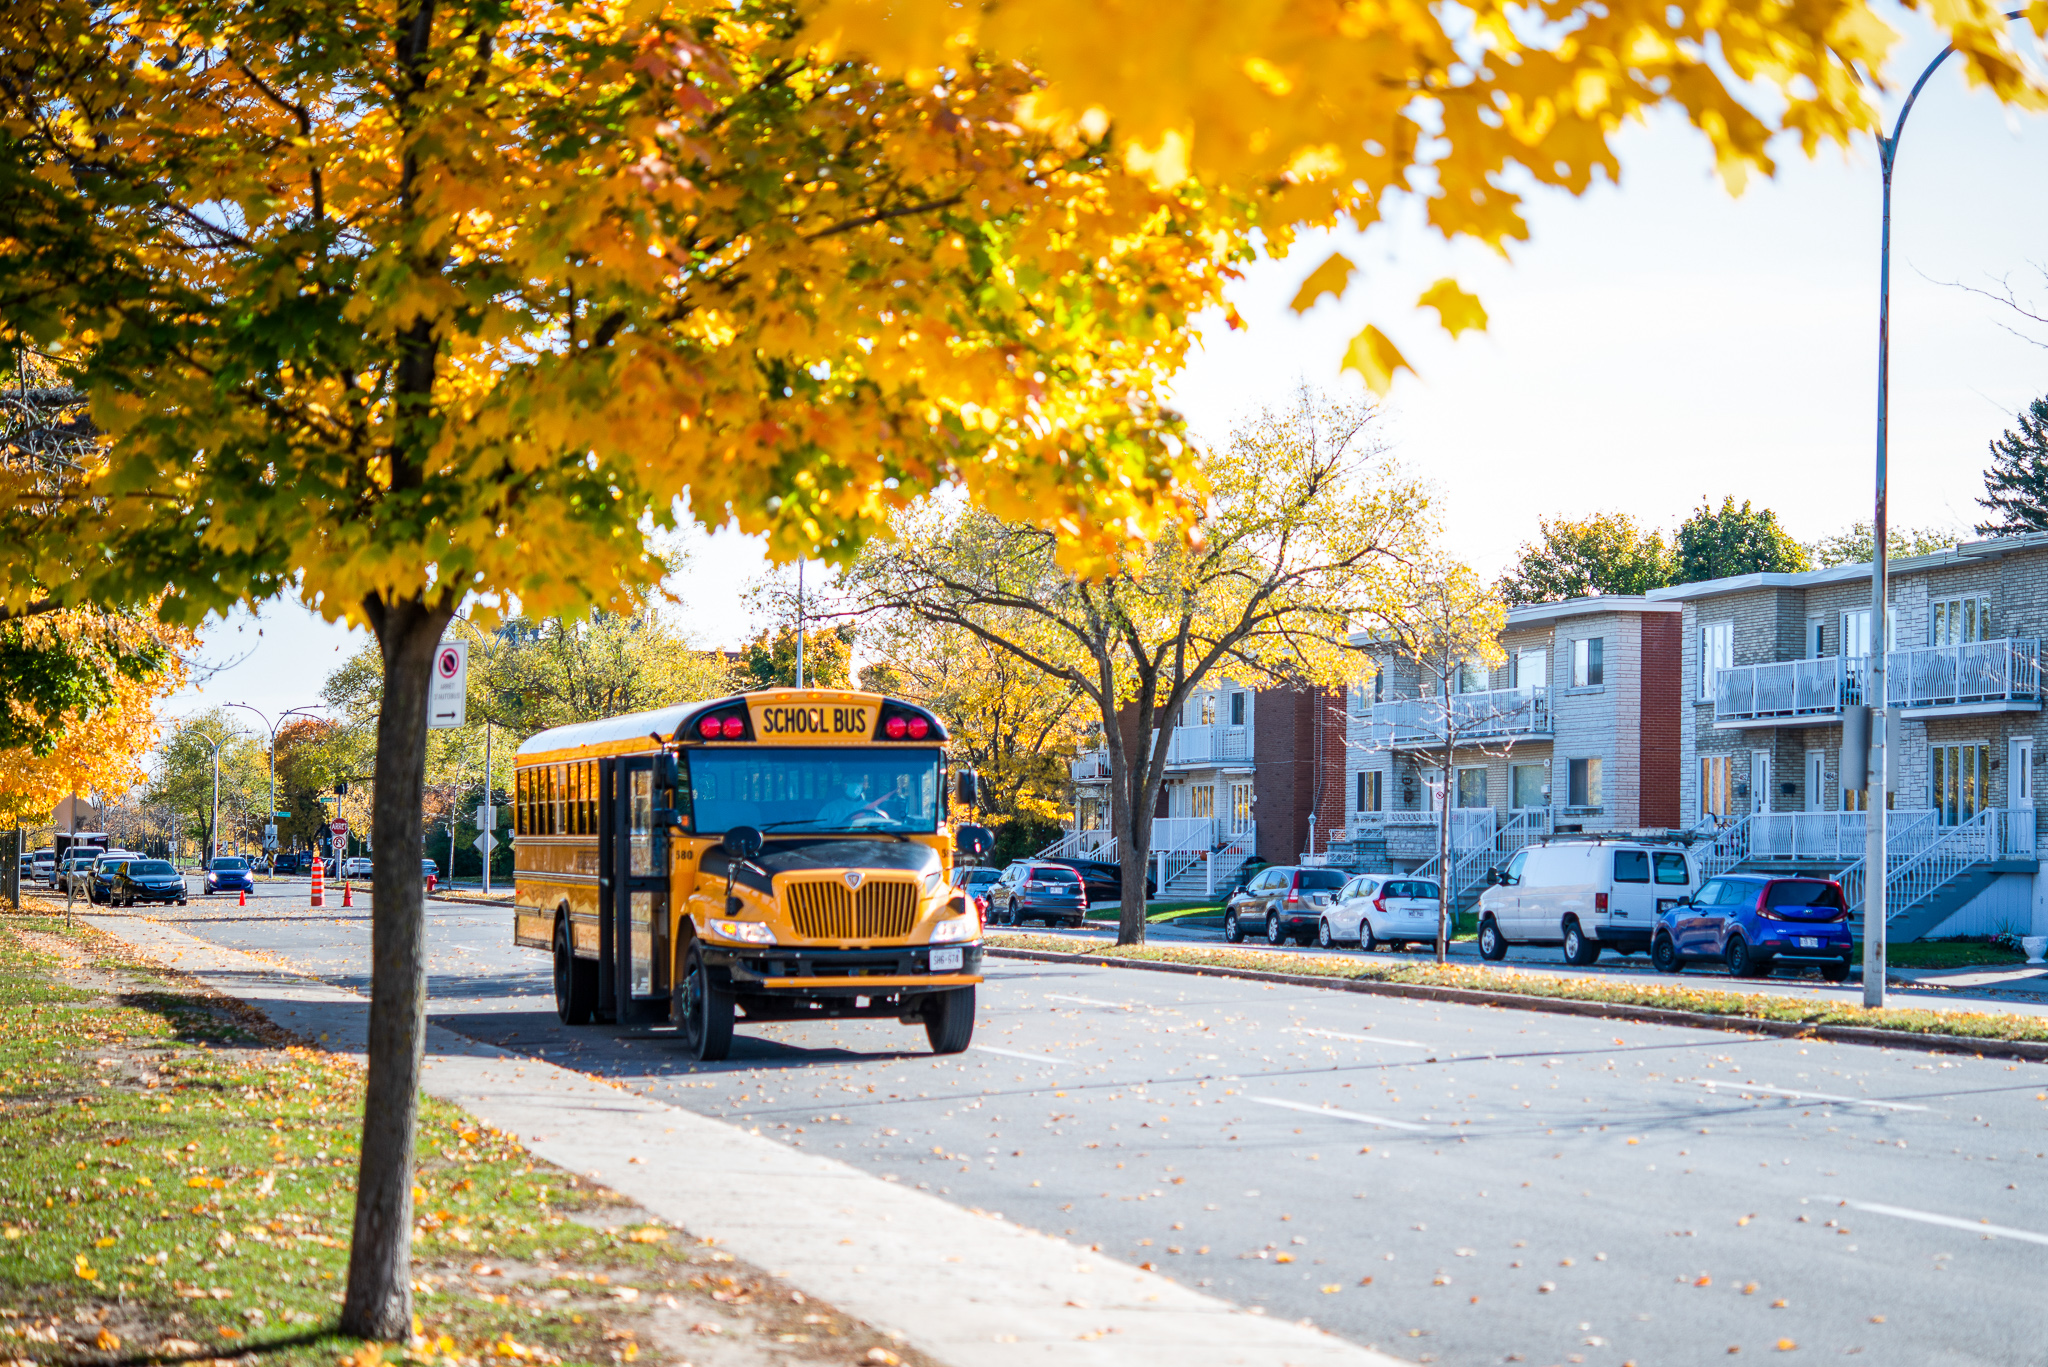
[638, 864]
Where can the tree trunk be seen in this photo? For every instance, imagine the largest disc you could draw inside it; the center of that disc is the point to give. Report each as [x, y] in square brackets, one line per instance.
[379, 1301]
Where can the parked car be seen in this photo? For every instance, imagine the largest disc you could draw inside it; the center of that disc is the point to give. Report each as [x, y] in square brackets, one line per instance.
[146, 880]
[76, 868]
[228, 873]
[1380, 911]
[1104, 880]
[430, 872]
[99, 881]
[976, 882]
[1584, 895]
[1038, 890]
[356, 866]
[45, 867]
[293, 862]
[1286, 900]
[1752, 923]
[27, 868]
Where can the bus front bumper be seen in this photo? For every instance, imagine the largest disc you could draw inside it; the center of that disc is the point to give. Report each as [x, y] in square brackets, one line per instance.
[844, 972]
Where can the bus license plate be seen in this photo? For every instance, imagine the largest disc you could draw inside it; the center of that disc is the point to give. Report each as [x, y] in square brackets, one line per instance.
[948, 960]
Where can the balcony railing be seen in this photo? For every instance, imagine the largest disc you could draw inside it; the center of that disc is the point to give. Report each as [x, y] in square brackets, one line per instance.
[1495, 714]
[2006, 670]
[1188, 746]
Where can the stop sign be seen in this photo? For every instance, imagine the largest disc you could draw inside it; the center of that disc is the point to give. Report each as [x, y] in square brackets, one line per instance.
[339, 825]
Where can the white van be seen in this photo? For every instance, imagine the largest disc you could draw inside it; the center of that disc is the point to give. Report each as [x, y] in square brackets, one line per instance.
[1586, 895]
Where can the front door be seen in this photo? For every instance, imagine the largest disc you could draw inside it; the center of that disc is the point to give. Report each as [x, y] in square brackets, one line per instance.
[1760, 780]
[1816, 780]
[638, 874]
[2019, 774]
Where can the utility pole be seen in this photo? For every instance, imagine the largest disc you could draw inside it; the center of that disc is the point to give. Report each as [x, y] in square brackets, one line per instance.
[1876, 858]
[490, 824]
[799, 624]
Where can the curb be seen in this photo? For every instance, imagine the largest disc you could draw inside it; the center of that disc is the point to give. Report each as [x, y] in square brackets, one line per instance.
[2027, 1050]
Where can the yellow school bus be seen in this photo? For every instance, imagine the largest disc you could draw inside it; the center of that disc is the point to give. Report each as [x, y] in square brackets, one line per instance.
[773, 856]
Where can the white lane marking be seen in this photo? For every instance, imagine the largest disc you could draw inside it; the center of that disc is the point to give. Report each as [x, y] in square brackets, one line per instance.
[1340, 1115]
[1948, 1221]
[1029, 1058]
[1362, 1039]
[1809, 1096]
[1087, 1001]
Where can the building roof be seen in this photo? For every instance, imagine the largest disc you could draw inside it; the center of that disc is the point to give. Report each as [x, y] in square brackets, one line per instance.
[1586, 607]
[1962, 553]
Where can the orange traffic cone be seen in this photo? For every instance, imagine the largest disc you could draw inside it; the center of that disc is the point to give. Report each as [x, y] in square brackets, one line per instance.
[243, 900]
[345, 890]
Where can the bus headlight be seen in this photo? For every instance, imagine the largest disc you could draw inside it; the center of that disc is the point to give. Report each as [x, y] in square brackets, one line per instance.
[953, 928]
[745, 932]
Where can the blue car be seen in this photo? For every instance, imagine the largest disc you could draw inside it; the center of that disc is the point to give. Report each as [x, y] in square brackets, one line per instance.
[226, 874]
[1752, 923]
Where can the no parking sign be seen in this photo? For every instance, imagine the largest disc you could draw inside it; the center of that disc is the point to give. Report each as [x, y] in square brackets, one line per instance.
[448, 696]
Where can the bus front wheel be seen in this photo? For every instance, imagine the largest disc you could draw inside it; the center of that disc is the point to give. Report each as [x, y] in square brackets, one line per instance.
[702, 1009]
[949, 1020]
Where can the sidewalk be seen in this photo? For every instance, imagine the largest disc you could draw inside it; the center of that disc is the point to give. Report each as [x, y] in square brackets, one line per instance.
[963, 1287]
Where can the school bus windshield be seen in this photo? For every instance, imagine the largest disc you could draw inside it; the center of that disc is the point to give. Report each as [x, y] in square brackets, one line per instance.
[886, 791]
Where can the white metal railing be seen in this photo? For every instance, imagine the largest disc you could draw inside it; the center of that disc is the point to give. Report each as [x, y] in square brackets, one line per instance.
[1787, 688]
[1474, 716]
[1976, 671]
[1926, 856]
[1091, 766]
[1828, 835]
[1096, 844]
[2007, 669]
[1525, 826]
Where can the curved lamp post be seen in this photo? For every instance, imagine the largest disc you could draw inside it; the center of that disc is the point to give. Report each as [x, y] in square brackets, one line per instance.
[271, 819]
[1876, 868]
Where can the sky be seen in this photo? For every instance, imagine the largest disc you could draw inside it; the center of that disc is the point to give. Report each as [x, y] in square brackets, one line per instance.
[1654, 344]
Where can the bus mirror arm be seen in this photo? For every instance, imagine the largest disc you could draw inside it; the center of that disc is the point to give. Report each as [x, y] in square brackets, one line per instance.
[668, 818]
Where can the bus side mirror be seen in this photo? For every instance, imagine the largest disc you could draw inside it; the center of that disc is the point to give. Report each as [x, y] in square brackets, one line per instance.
[665, 771]
[667, 819]
[976, 840]
[969, 788]
[742, 842]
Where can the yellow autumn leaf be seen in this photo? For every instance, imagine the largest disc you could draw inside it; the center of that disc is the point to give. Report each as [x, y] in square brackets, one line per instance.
[1456, 309]
[84, 1270]
[1329, 278]
[1375, 359]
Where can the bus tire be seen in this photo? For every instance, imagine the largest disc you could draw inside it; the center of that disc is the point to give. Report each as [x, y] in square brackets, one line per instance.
[575, 980]
[949, 1020]
[702, 1009]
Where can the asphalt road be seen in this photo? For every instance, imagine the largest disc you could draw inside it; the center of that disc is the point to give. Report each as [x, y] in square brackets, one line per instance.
[1450, 1184]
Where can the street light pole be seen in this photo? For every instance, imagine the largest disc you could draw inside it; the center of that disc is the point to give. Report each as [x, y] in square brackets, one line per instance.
[1876, 865]
[269, 820]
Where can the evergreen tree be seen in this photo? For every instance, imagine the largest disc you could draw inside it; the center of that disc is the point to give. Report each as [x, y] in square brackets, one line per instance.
[2016, 485]
[1718, 543]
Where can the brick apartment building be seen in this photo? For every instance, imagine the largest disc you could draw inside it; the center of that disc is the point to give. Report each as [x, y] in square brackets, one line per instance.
[1578, 730]
[1250, 772]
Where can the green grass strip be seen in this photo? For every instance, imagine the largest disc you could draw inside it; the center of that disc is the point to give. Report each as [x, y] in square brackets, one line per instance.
[1704, 1001]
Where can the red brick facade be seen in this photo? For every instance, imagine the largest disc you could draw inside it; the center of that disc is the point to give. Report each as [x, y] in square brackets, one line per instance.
[1662, 678]
[1298, 742]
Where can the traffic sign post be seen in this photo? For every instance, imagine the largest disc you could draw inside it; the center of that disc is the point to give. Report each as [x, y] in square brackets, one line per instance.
[448, 694]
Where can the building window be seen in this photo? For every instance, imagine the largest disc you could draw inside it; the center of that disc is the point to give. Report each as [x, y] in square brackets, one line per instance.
[1472, 787]
[1956, 621]
[1202, 802]
[1530, 785]
[1856, 632]
[1237, 709]
[1816, 639]
[1717, 652]
[1717, 785]
[1586, 671]
[1961, 780]
[1372, 791]
[1585, 783]
[1474, 678]
[1240, 804]
[1208, 712]
[1530, 669]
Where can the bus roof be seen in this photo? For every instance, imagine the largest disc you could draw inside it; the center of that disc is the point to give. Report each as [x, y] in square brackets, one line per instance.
[634, 732]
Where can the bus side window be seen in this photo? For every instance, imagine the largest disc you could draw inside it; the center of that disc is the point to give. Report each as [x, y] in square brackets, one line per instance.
[576, 799]
[518, 802]
[590, 797]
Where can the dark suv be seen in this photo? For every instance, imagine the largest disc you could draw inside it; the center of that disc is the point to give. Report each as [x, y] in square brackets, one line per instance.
[1753, 922]
[1034, 890]
[1104, 880]
[1286, 901]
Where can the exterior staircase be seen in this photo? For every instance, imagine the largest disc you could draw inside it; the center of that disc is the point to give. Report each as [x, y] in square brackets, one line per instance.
[1933, 870]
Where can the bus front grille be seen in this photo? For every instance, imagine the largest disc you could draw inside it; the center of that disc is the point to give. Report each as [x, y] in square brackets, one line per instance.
[826, 909]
